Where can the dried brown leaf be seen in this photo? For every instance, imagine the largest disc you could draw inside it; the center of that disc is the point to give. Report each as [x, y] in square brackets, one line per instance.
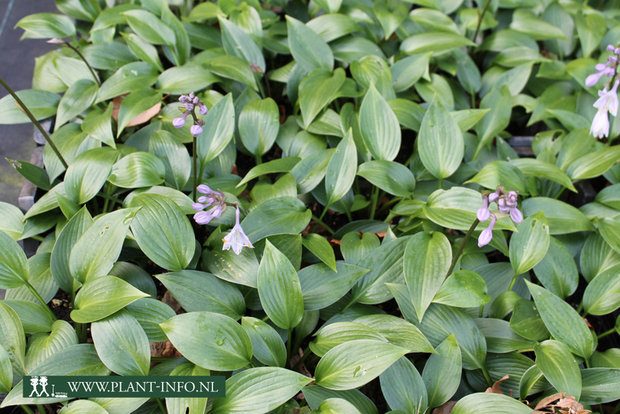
[546, 402]
[140, 119]
[495, 388]
[445, 408]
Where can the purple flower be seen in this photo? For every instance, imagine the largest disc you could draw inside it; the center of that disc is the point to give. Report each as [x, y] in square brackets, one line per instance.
[213, 200]
[204, 217]
[516, 215]
[607, 102]
[203, 109]
[179, 122]
[487, 234]
[195, 130]
[236, 239]
[483, 212]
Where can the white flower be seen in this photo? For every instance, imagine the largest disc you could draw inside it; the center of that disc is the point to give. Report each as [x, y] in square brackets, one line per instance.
[607, 102]
[236, 238]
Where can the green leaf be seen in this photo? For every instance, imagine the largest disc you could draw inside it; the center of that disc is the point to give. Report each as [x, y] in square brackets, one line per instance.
[463, 289]
[317, 90]
[149, 27]
[279, 289]
[426, 261]
[498, 173]
[210, 340]
[557, 271]
[107, 56]
[602, 295]
[42, 104]
[174, 156]
[179, 79]
[138, 169]
[333, 26]
[83, 406]
[559, 366]
[307, 47]
[122, 344]
[320, 247]
[259, 123]
[76, 99]
[150, 313]
[95, 252]
[13, 338]
[379, 126]
[131, 77]
[163, 231]
[46, 26]
[526, 321]
[88, 173]
[561, 217]
[238, 43]
[609, 230]
[232, 67]
[403, 387]
[600, 385]
[6, 371]
[563, 321]
[98, 125]
[134, 104]
[337, 333]
[392, 177]
[278, 165]
[499, 101]
[596, 256]
[529, 245]
[226, 265]
[143, 50]
[341, 169]
[315, 395]
[13, 264]
[524, 21]
[440, 141]
[267, 344]
[87, 10]
[442, 372]
[102, 297]
[259, 390]
[34, 317]
[218, 129]
[433, 42]
[484, 402]
[538, 168]
[500, 337]
[201, 291]
[355, 363]
[590, 28]
[322, 286]
[397, 331]
[593, 164]
[282, 215]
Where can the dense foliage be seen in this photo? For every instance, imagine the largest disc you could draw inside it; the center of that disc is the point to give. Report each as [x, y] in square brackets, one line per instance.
[339, 156]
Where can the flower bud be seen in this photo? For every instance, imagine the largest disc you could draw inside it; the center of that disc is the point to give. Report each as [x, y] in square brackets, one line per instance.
[178, 122]
[195, 130]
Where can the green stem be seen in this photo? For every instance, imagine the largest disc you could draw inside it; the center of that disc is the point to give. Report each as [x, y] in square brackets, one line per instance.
[323, 213]
[27, 409]
[512, 282]
[36, 123]
[322, 224]
[37, 238]
[161, 405]
[195, 163]
[606, 333]
[80, 329]
[41, 409]
[289, 344]
[374, 198]
[40, 299]
[480, 17]
[106, 202]
[487, 377]
[580, 308]
[462, 246]
[92, 71]
[258, 159]
[441, 183]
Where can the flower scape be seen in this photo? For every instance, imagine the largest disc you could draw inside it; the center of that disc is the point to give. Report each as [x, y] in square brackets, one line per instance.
[328, 206]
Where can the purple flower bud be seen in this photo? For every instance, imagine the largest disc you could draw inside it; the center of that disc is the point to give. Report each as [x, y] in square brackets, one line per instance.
[610, 48]
[191, 96]
[183, 99]
[189, 106]
[178, 122]
[609, 72]
[617, 51]
[600, 66]
[204, 217]
[195, 100]
[203, 109]
[198, 206]
[613, 59]
[511, 198]
[195, 130]
[494, 196]
[483, 212]
[501, 205]
[592, 79]
[516, 215]
[204, 189]
[487, 234]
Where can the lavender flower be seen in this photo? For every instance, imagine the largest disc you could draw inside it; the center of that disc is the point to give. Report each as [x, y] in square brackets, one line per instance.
[212, 200]
[487, 234]
[483, 212]
[506, 204]
[236, 239]
[607, 102]
[190, 102]
[195, 130]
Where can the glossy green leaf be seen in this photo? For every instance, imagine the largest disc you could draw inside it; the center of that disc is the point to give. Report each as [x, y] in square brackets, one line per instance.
[122, 344]
[487, 403]
[600, 385]
[557, 271]
[237, 42]
[138, 169]
[529, 244]
[500, 337]
[397, 331]
[320, 247]
[275, 166]
[526, 321]
[440, 141]
[226, 265]
[143, 50]
[46, 26]
[134, 104]
[149, 27]
[259, 390]
[355, 363]
[322, 286]
[210, 340]
[95, 252]
[499, 101]
[403, 387]
[179, 79]
[538, 168]
[307, 47]
[525, 21]
[33, 316]
[593, 164]
[131, 77]
[426, 262]
[317, 90]
[78, 97]
[602, 295]
[13, 264]
[259, 123]
[596, 256]
[13, 338]
[559, 366]
[163, 231]
[608, 229]
[98, 125]
[102, 297]
[379, 126]
[201, 291]
[442, 372]
[174, 155]
[390, 176]
[463, 289]
[337, 333]
[279, 289]
[315, 395]
[563, 321]
[88, 173]
[218, 129]
[498, 173]
[150, 313]
[42, 104]
[433, 42]
[267, 344]
[341, 170]
[232, 67]
[561, 217]
[6, 371]
[283, 215]
[333, 25]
